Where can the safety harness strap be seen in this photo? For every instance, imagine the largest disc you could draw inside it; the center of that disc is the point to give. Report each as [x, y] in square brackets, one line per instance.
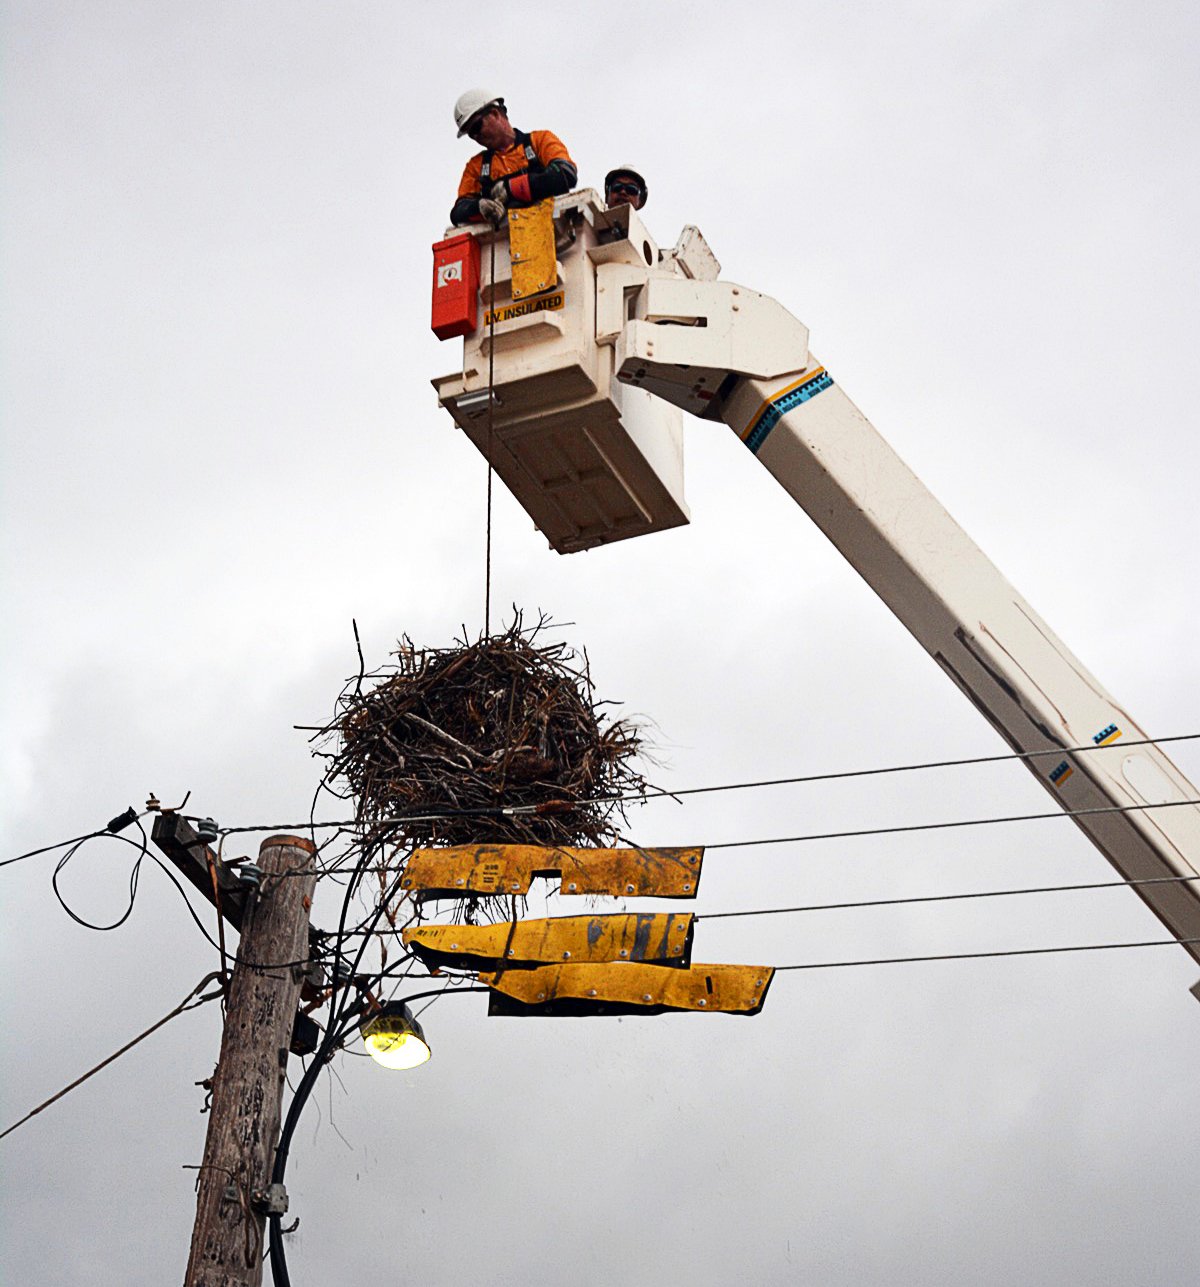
[533, 166]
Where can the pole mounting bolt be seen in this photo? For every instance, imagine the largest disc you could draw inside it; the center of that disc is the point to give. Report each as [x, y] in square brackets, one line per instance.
[271, 1201]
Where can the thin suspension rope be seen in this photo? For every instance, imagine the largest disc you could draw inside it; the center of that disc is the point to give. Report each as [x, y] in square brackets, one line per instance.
[487, 581]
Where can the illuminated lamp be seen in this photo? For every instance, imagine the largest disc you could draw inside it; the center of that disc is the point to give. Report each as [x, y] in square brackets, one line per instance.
[394, 1038]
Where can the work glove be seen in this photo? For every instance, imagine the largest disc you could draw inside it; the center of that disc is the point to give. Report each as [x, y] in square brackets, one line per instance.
[499, 192]
[492, 211]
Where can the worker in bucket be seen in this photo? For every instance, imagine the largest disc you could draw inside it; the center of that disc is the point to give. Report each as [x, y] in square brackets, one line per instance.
[515, 169]
[624, 186]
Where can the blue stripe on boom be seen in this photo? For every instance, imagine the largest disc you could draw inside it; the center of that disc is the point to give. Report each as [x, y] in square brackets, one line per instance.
[781, 406]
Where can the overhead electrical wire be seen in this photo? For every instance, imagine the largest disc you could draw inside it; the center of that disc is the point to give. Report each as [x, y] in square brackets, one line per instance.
[340, 1030]
[367, 928]
[76, 843]
[346, 990]
[946, 898]
[343, 1014]
[353, 824]
[46, 849]
[979, 956]
[193, 999]
[134, 874]
[859, 832]
[350, 824]
[360, 867]
[111, 828]
[903, 768]
[144, 852]
[941, 826]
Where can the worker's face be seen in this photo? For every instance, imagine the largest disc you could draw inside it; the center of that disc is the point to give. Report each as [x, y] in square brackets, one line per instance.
[623, 192]
[491, 130]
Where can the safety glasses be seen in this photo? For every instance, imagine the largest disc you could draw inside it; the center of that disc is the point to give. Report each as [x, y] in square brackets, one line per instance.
[625, 189]
[475, 127]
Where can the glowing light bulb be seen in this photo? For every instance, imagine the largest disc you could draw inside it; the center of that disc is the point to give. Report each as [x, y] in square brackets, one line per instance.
[394, 1038]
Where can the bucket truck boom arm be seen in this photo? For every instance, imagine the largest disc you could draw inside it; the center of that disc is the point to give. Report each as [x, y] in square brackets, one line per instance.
[980, 631]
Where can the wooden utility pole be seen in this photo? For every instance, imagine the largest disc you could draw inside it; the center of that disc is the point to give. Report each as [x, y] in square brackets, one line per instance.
[243, 1127]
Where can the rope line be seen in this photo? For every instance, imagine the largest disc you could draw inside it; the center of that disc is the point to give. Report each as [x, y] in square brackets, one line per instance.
[487, 581]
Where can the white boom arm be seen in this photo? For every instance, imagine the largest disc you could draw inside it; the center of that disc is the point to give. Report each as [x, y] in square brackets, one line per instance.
[724, 352]
[974, 624]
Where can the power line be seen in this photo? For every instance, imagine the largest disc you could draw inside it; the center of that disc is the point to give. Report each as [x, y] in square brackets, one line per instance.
[979, 956]
[874, 831]
[359, 868]
[899, 768]
[351, 824]
[947, 898]
[111, 828]
[849, 905]
[189, 1002]
[941, 826]
[45, 849]
[134, 874]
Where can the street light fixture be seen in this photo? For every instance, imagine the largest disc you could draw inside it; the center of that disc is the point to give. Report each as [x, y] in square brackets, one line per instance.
[394, 1038]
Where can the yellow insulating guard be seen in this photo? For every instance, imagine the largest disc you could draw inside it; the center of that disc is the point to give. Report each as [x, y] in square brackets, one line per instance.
[628, 936]
[510, 869]
[531, 246]
[728, 989]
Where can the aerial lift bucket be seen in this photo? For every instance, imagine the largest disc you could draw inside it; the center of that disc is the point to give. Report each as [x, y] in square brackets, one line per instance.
[591, 460]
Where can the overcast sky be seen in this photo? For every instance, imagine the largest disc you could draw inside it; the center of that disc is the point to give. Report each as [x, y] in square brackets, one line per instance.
[220, 445]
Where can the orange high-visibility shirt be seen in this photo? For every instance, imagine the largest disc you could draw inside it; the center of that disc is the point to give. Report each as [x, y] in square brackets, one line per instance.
[549, 147]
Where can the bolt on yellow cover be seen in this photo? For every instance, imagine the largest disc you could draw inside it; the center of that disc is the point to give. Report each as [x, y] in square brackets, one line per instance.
[631, 936]
[510, 869]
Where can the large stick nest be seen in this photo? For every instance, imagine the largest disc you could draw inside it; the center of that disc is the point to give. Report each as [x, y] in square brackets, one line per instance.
[465, 732]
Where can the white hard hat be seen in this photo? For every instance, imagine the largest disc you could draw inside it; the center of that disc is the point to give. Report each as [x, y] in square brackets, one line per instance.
[471, 103]
[627, 171]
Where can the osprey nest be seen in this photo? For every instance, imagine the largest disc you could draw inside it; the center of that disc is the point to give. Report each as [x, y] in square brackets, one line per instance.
[433, 747]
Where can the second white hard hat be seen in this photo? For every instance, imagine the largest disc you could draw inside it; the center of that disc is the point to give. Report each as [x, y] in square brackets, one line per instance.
[629, 172]
[471, 103]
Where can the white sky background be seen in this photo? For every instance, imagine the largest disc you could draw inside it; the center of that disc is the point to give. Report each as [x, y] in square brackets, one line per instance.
[221, 445]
